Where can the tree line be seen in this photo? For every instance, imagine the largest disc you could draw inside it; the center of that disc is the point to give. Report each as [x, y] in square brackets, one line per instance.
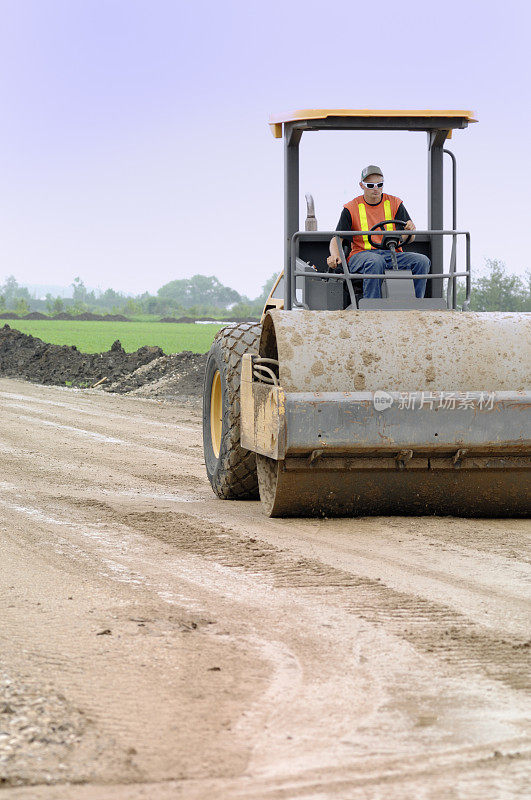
[498, 290]
[198, 296]
[493, 290]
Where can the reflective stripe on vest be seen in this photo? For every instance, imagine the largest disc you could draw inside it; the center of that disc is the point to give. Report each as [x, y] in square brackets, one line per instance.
[388, 214]
[364, 224]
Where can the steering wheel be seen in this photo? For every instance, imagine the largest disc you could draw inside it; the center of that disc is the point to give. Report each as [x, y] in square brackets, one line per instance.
[390, 237]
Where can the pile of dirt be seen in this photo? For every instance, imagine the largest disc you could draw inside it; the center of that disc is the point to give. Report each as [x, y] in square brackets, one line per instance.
[34, 315]
[88, 316]
[172, 377]
[23, 356]
[148, 372]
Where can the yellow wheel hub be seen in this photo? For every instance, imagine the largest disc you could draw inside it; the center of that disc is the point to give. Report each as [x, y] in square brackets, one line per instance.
[216, 413]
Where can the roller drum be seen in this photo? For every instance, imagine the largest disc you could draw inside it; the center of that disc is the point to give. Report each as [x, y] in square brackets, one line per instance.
[345, 351]
[398, 351]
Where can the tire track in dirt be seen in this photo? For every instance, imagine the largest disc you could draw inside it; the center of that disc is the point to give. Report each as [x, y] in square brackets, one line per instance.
[431, 627]
[307, 597]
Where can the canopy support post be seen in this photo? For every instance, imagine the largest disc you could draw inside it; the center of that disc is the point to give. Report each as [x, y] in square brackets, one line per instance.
[292, 138]
[436, 140]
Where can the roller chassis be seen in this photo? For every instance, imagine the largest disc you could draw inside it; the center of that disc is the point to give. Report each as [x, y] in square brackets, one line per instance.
[339, 411]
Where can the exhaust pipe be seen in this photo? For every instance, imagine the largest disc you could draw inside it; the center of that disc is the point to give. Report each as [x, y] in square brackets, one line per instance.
[310, 224]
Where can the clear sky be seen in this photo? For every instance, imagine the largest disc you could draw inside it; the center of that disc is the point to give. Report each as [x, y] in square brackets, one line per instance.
[134, 144]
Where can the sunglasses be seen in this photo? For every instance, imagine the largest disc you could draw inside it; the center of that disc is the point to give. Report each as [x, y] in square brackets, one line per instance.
[373, 185]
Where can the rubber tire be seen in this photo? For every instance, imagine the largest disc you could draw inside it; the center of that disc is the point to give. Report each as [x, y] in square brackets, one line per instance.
[232, 474]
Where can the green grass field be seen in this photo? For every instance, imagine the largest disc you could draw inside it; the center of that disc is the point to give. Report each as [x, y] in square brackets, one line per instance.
[96, 337]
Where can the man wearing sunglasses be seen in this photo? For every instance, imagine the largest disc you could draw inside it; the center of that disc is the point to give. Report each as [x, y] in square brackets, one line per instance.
[361, 214]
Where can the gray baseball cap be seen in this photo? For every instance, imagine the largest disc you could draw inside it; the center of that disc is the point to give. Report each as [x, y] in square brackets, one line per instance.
[372, 169]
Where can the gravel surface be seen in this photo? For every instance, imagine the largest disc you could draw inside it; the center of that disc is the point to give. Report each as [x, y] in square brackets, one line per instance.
[38, 729]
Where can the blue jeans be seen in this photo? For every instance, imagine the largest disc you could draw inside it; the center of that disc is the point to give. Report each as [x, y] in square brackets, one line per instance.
[377, 261]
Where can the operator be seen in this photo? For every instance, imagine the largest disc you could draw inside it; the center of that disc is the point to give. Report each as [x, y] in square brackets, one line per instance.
[361, 214]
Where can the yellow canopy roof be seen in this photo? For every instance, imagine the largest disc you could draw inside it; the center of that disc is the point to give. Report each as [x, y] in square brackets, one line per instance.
[309, 114]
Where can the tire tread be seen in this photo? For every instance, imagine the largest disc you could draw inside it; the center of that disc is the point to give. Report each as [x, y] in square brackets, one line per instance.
[235, 477]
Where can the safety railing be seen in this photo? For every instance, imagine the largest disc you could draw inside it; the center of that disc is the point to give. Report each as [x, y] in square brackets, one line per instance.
[290, 300]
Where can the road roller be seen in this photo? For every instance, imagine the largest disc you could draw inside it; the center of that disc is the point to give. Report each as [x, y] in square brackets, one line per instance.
[337, 404]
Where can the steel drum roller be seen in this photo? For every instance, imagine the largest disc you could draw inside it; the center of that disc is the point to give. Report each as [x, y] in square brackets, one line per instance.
[400, 351]
[345, 351]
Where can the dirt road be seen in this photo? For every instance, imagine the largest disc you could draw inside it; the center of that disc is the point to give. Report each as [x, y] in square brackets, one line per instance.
[156, 642]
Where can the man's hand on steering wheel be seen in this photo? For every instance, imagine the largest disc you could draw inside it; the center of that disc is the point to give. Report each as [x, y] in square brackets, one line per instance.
[399, 224]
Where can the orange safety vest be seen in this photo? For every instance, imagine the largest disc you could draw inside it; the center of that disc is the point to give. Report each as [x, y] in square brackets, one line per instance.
[364, 216]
